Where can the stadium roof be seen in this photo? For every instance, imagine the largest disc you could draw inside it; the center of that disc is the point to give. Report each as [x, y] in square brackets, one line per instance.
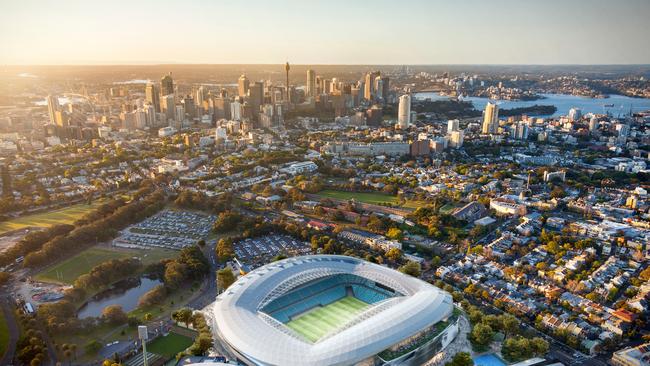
[265, 341]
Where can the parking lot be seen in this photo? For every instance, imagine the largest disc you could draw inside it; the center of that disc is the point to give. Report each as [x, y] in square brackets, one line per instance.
[167, 229]
[258, 251]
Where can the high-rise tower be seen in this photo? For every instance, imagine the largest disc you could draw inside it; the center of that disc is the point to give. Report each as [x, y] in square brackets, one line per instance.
[152, 96]
[311, 83]
[167, 84]
[243, 84]
[491, 118]
[404, 112]
[52, 107]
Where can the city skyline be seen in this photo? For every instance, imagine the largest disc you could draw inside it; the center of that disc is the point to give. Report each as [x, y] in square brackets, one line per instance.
[413, 32]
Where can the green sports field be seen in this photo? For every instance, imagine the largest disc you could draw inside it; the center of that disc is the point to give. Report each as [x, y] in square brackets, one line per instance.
[169, 345]
[319, 321]
[66, 215]
[67, 271]
[374, 198]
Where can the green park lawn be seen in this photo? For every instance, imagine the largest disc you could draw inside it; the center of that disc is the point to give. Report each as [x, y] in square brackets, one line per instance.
[364, 197]
[4, 334]
[68, 270]
[169, 345]
[66, 215]
[374, 198]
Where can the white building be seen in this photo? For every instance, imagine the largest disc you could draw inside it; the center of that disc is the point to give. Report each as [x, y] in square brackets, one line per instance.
[404, 112]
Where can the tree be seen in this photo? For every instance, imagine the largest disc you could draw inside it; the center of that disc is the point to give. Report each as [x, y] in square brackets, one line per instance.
[114, 314]
[411, 268]
[224, 250]
[461, 359]
[509, 324]
[481, 335]
[395, 233]
[225, 278]
[92, 347]
[174, 274]
[226, 221]
[183, 315]
[148, 317]
[394, 254]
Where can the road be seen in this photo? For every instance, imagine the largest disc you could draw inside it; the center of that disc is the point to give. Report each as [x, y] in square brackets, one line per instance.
[14, 332]
[209, 290]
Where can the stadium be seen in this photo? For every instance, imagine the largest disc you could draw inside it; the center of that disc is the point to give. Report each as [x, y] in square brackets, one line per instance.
[333, 310]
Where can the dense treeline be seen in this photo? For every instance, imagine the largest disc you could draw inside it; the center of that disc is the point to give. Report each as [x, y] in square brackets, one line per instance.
[190, 265]
[32, 242]
[100, 230]
[199, 201]
[31, 348]
[107, 272]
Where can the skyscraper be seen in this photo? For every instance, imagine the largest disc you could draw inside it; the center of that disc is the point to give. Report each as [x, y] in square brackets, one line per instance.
[52, 107]
[256, 97]
[168, 106]
[404, 112]
[379, 88]
[242, 85]
[311, 83]
[491, 118]
[593, 125]
[452, 125]
[152, 96]
[575, 114]
[167, 84]
[384, 93]
[287, 68]
[369, 92]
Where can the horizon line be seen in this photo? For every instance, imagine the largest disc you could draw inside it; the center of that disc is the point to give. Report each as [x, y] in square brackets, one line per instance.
[319, 64]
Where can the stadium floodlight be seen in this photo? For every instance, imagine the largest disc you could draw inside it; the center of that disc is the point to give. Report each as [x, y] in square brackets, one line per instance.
[143, 335]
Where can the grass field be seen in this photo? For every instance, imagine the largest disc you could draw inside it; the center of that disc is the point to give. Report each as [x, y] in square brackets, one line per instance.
[364, 197]
[68, 270]
[66, 215]
[4, 334]
[169, 345]
[320, 321]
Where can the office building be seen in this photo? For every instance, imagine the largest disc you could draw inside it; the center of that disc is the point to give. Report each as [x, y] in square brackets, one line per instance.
[167, 85]
[52, 107]
[242, 86]
[152, 97]
[310, 88]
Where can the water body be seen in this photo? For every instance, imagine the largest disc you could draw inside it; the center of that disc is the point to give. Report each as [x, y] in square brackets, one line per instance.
[615, 105]
[62, 101]
[134, 81]
[125, 293]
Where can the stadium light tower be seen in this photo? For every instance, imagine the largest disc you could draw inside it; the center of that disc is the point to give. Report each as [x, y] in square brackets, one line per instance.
[143, 335]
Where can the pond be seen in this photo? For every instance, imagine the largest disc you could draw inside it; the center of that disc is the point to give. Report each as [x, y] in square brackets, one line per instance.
[125, 293]
[489, 359]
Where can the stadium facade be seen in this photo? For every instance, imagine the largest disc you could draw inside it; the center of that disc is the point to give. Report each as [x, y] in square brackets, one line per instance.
[333, 310]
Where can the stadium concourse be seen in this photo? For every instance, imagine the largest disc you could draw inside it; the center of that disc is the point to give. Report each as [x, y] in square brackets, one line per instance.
[332, 310]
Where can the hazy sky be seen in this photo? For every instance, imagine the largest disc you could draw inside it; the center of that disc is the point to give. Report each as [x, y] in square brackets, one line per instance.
[325, 32]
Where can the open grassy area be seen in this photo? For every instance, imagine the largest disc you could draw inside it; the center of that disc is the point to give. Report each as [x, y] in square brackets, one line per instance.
[374, 198]
[169, 345]
[4, 334]
[321, 320]
[68, 270]
[66, 215]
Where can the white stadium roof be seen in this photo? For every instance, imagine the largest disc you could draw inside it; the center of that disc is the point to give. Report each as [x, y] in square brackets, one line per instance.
[265, 341]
